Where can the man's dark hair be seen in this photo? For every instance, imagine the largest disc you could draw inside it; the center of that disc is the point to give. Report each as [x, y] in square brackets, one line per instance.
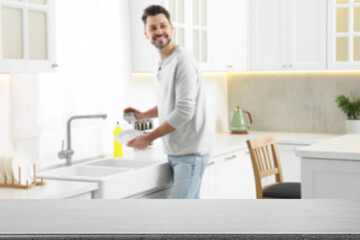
[154, 10]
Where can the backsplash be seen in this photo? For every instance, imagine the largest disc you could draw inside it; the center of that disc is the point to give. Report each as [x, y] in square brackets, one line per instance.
[94, 77]
[141, 95]
[293, 102]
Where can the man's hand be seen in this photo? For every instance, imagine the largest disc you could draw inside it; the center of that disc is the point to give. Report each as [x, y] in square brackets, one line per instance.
[139, 115]
[140, 142]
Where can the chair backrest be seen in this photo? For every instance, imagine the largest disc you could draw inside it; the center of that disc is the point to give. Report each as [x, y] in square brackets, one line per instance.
[265, 161]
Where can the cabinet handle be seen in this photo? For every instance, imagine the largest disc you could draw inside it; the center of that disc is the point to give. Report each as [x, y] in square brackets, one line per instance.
[229, 158]
[290, 65]
[54, 65]
[284, 66]
[229, 66]
[210, 163]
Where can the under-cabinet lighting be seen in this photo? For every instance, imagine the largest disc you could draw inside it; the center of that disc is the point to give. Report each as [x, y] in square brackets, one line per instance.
[151, 76]
[297, 72]
[143, 75]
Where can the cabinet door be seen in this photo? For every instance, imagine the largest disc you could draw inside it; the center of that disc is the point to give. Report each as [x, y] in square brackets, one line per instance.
[27, 36]
[290, 163]
[228, 177]
[344, 34]
[191, 22]
[209, 184]
[288, 34]
[228, 44]
[144, 55]
[200, 32]
[306, 35]
[191, 30]
[246, 176]
[269, 25]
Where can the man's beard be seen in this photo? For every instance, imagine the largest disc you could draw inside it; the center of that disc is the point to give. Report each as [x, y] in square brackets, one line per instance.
[163, 46]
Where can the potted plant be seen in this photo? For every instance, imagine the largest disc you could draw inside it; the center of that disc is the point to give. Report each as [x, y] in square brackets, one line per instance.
[352, 110]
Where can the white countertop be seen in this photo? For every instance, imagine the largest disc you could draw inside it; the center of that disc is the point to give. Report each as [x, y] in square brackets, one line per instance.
[226, 142]
[346, 147]
[54, 189]
[180, 217]
[223, 143]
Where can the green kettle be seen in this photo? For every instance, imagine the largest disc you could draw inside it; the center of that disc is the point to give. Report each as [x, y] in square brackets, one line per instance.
[239, 123]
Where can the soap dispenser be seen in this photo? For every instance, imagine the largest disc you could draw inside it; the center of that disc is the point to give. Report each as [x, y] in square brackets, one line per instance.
[118, 152]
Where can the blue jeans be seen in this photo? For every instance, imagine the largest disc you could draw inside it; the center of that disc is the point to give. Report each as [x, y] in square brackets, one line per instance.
[187, 171]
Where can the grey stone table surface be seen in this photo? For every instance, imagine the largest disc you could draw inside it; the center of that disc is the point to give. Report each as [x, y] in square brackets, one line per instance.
[76, 216]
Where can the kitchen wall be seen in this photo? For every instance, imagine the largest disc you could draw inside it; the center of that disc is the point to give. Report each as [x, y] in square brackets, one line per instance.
[5, 117]
[141, 95]
[93, 57]
[293, 102]
[93, 76]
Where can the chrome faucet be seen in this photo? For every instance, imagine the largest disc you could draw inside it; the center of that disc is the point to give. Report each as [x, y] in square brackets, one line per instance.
[69, 152]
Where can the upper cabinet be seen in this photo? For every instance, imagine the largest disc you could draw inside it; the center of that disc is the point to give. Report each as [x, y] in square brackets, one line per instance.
[344, 34]
[257, 35]
[214, 42]
[229, 35]
[191, 27]
[191, 30]
[288, 34]
[144, 54]
[27, 36]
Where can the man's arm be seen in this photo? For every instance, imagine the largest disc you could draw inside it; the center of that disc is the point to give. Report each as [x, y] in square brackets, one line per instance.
[151, 113]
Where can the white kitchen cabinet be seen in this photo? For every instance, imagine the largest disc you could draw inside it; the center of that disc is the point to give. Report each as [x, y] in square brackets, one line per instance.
[229, 176]
[191, 25]
[288, 34]
[87, 195]
[290, 163]
[330, 169]
[27, 36]
[158, 194]
[344, 34]
[191, 30]
[144, 55]
[228, 43]
[246, 176]
[209, 182]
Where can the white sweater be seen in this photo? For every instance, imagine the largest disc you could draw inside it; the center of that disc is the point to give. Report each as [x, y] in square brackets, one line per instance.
[181, 102]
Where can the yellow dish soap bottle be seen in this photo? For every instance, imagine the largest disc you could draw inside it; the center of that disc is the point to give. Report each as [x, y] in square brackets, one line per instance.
[118, 152]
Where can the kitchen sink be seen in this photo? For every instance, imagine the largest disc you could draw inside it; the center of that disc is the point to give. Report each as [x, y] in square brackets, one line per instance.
[122, 163]
[117, 178]
[82, 172]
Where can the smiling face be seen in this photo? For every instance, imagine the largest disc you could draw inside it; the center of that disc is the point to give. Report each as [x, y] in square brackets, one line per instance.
[158, 30]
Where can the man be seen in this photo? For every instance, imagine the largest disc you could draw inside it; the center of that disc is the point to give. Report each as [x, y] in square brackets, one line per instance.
[181, 108]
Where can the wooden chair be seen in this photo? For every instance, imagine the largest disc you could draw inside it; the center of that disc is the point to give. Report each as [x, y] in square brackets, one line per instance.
[265, 161]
